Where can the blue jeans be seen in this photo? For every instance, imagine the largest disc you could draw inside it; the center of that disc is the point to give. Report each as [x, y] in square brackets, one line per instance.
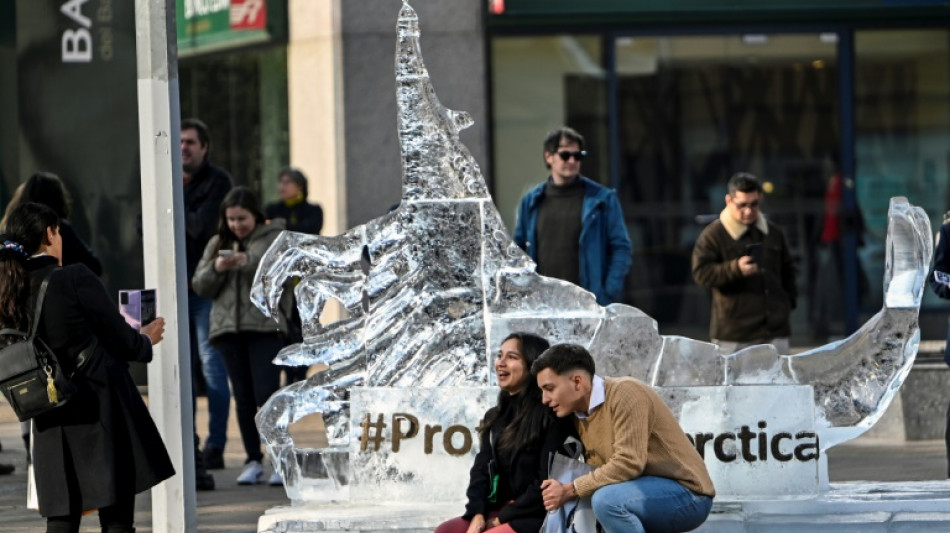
[648, 503]
[212, 367]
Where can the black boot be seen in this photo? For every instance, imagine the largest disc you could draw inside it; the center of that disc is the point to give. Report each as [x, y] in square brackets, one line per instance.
[118, 529]
[203, 479]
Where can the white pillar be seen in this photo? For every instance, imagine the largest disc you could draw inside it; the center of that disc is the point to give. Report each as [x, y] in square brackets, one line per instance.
[315, 104]
[163, 228]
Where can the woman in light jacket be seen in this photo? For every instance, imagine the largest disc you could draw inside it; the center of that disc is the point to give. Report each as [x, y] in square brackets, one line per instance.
[247, 340]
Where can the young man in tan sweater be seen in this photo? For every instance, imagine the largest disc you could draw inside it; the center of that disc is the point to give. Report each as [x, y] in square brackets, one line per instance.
[648, 477]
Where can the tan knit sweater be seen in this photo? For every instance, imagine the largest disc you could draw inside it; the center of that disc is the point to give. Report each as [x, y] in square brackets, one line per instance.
[635, 434]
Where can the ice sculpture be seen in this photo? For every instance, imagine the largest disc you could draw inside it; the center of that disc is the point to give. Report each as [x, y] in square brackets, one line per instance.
[431, 286]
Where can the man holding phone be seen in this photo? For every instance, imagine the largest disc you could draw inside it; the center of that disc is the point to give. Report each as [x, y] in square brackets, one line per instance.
[744, 259]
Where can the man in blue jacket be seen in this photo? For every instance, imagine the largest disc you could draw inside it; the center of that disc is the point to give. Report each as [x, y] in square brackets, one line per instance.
[571, 226]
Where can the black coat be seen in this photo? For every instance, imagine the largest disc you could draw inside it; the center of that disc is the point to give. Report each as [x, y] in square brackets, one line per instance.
[942, 264]
[103, 442]
[75, 250]
[302, 217]
[203, 197]
[521, 473]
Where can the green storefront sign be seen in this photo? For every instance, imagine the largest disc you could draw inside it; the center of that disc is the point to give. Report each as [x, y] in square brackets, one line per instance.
[214, 25]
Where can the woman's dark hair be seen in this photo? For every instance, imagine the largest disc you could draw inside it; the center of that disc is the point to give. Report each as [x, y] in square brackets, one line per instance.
[242, 197]
[295, 176]
[46, 188]
[26, 227]
[530, 417]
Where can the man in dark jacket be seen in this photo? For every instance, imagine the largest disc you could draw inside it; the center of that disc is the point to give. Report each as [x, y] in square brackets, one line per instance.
[744, 259]
[205, 187]
[940, 283]
[571, 226]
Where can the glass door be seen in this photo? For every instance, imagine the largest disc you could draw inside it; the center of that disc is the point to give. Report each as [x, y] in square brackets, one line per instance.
[693, 110]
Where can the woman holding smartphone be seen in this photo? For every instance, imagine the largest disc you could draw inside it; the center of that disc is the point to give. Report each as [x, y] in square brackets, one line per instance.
[101, 448]
[247, 340]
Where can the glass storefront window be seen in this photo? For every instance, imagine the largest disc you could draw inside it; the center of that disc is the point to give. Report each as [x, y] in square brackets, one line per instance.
[902, 122]
[672, 117]
[693, 110]
[539, 84]
[242, 97]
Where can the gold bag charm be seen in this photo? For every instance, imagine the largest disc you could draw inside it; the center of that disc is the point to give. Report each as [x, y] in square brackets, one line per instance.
[51, 390]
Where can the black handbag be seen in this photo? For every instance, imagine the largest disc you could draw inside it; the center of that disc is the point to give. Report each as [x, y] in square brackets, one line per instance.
[31, 377]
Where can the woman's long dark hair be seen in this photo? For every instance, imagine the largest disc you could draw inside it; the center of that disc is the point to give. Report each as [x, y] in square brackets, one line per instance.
[26, 226]
[46, 188]
[242, 197]
[531, 417]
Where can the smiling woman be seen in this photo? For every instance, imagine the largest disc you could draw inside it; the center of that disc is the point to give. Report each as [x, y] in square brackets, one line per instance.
[247, 340]
[517, 437]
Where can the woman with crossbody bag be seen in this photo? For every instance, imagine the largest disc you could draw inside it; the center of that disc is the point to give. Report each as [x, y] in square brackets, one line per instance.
[101, 447]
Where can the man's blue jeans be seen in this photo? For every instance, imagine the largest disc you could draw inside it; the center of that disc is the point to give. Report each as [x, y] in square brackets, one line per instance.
[648, 503]
[213, 369]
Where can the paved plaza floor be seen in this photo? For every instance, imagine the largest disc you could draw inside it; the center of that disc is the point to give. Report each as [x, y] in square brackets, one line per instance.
[233, 508]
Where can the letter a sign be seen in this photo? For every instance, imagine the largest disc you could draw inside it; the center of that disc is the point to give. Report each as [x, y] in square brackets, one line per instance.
[763, 447]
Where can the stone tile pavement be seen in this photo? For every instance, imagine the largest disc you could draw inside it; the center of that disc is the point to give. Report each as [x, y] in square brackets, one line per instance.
[232, 508]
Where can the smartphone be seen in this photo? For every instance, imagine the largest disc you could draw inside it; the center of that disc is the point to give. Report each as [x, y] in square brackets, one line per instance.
[225, 253]
[755, 251]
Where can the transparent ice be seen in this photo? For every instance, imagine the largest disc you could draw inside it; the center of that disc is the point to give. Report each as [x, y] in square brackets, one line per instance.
[433, 286]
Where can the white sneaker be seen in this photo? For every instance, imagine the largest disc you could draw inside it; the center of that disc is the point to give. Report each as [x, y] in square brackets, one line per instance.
[276, 479]
[252, 473]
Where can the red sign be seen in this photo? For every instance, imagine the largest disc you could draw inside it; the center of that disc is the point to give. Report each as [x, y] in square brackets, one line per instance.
[248, 14]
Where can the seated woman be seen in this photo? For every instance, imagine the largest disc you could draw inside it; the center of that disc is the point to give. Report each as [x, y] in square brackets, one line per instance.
[517, 437]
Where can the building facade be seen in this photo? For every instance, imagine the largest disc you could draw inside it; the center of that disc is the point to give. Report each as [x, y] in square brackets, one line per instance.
[672, 96]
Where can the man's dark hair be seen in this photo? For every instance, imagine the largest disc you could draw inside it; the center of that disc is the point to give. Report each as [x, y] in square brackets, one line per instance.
[204, 136]
[562, 358]
[553, 139]
[744, 182]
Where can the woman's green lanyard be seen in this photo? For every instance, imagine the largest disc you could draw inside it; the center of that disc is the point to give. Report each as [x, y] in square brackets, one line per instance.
[492, 470]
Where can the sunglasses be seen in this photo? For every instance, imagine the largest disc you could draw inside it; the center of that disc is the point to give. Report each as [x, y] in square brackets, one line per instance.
[742, 205]
[566, 155]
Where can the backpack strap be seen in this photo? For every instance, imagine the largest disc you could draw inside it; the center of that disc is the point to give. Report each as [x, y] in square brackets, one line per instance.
[38, 308]
[8, 331]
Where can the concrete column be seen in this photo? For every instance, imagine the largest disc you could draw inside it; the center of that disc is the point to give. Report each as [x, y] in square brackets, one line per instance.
[315, 104]
[163, 229]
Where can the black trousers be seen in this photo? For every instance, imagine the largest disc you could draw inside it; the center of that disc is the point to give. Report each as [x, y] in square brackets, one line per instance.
[946, 438]
[117, 518]
[946, 435]
[248, 356]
